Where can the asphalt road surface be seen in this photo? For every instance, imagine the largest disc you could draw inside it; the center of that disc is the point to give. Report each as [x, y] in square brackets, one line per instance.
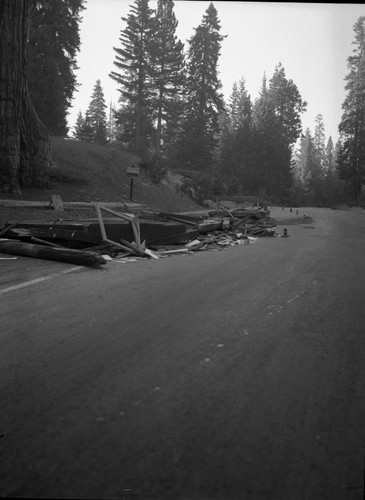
[236, 374]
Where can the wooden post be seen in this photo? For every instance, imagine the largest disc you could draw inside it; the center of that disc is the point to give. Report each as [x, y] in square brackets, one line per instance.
[57, 202]
[131, 190]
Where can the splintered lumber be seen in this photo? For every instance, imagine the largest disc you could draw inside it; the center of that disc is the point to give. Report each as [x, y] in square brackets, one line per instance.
[177, 251]
[138, 247]
[45, 242]
[228, 212]
[79, 257]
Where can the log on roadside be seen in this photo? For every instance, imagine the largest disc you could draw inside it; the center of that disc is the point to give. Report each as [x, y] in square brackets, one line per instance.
[78, 257]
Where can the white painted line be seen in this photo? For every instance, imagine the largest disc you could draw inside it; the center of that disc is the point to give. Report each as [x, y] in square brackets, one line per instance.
[39, 280]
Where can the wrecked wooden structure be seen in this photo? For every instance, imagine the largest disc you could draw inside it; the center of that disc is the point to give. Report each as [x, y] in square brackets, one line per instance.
[120, 233]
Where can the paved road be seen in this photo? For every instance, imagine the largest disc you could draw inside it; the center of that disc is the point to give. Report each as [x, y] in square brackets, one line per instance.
[228, 375]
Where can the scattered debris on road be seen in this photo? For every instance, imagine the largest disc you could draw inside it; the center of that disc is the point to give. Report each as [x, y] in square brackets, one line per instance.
[124, 235]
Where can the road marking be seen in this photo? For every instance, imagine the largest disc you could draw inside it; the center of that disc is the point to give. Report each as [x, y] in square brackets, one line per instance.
[39, 280]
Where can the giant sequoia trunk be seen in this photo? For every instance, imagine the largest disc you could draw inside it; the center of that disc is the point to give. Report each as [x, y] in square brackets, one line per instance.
[25, 148]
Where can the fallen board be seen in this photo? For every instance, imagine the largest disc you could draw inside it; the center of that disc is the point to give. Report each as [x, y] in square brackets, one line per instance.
[77, 257]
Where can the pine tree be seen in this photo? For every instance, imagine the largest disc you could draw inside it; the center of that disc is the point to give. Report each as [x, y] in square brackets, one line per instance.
[236, 142]
[54, 41]
[204, 101]
[167, 61]
[268, 148]
[319, 142]
[96, 115]
[112, 126]
[334, 192]
[314, 174]
[77, 132]
[288, 106]
[330, 156]
[352, 126]
[240, 105]
[287, 103]
[133, 60]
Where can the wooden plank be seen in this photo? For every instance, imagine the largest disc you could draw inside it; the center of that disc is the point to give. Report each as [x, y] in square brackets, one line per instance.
[57, 202]
[127, 217]
[50, 243]
[185, 219]
[7, 229]
[133, 219]
[101, 222]
[177, 251]
[104, 235]
[133, 248]
[228, 212]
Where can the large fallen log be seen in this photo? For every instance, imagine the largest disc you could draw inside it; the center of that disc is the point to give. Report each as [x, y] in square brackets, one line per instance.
[78, 257]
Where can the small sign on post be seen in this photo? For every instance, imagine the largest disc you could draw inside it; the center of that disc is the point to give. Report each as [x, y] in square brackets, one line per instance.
[132, 173]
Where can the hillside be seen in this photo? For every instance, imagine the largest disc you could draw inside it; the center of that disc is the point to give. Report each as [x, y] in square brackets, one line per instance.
[87, 172]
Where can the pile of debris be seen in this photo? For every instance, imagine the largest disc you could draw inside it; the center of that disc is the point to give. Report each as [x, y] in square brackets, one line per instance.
[93, 241]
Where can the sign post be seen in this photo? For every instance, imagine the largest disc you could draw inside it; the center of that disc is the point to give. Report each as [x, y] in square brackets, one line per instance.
[132, 173]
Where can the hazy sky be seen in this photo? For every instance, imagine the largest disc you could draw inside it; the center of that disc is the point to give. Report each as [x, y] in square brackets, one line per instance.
[311, 40]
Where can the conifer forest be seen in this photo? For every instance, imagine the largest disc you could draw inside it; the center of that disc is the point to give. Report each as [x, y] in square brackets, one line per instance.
[171, 111]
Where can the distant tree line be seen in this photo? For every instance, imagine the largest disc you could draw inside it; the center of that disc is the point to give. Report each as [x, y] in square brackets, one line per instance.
[171, 110]
[172, 113]
[316, 181]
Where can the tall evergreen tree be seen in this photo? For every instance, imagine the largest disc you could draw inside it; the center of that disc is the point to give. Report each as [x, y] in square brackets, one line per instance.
[77, 132]
[334, 187]
[83, 129]
[54, 41]
[96, 115]
[269, 146]
[352, 126]
[288, 106]
[320, 142]
[236, 141]
[330, 156]
[240, 105]
[133, 60]
[167, 70]
[313, 172]
[112, 124]
[204, 100]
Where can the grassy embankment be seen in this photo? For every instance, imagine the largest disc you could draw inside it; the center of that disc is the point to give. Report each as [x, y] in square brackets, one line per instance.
[87, 172]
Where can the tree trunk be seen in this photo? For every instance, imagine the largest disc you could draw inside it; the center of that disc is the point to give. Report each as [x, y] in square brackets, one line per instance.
[25, 148]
